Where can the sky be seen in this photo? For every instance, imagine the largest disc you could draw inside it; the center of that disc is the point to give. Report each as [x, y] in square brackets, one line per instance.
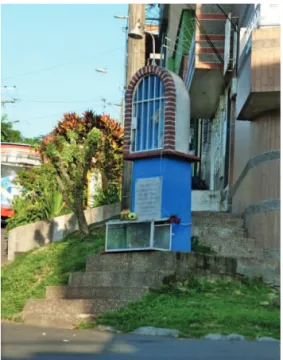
[50, 53]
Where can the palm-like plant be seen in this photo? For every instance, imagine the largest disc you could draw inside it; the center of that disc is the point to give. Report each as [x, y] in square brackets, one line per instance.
[54, 204]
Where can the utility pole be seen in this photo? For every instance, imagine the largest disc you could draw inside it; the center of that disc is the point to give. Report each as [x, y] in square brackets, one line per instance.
[135, 61]
[4, 102]
[136, 49]
[13, 100]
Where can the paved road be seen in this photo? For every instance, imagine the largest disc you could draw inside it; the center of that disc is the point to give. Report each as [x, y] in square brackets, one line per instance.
[34, 343]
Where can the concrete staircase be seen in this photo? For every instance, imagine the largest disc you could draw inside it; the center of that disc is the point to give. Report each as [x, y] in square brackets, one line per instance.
[112, 280]
[224, 233]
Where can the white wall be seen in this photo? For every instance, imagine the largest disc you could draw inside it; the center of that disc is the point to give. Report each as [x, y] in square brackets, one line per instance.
[182, 117]
[207, 200]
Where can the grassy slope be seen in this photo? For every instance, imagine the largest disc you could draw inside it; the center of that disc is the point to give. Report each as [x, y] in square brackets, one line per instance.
[30, 273]
[196, 308]
[202, 307]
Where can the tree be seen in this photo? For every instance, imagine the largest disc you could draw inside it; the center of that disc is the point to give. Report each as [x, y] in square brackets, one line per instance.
[8, 134]
[77, 145]
[40, 197]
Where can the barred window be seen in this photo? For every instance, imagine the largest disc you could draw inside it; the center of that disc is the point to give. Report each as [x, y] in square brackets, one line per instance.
[148, 115]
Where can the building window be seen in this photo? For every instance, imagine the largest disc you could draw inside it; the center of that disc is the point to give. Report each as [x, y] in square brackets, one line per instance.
[148, 115]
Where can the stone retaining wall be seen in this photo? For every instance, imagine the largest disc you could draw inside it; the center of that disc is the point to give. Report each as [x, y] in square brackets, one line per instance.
[30, 236]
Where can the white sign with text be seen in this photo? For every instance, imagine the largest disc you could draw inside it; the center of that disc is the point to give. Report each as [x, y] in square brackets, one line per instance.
[148, 198]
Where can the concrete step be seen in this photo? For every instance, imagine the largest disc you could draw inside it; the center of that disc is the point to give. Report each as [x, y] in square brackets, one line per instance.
[220, 219]
[244, 242]
[90, 292]
[218, 231]
[121, 279]
[66, 313]
[142, 261]
[239, 252]
[236, 247]
[147, 269]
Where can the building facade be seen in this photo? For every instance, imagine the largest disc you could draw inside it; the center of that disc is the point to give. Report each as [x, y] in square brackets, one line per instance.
[14, 157]
[229, 59]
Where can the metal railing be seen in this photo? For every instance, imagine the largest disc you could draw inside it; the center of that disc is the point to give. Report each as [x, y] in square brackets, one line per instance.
[191, 63]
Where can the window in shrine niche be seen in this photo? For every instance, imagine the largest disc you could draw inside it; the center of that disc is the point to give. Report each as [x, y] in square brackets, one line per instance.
[148, 115]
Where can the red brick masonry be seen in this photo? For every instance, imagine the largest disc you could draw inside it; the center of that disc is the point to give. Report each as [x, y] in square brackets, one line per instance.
[170, 112]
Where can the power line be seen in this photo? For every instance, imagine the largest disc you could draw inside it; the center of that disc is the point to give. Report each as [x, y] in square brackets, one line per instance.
[59, 101]
[203, 32]
[227, 16]
[207, 38]
[59, 65]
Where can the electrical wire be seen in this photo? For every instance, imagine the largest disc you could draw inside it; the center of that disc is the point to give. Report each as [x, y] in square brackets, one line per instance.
[221, 60]
[228, 18]
[178, 38]
[176, 51]
[149, 10]
[185, 39]
[59, 65]
[184, 24]
[59, 101]
[207, 38]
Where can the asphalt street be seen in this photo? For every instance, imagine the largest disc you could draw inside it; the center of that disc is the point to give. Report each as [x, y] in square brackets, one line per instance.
[38, 343]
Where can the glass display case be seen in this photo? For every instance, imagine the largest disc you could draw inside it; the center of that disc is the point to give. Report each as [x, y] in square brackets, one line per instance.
[138, 235]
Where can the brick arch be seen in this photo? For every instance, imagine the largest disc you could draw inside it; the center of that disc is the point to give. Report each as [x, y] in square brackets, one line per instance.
[170, 106]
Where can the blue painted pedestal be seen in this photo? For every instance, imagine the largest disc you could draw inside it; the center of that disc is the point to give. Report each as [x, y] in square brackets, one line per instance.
[176, 194]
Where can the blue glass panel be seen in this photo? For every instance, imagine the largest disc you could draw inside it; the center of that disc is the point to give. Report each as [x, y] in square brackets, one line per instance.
[145, 111]
[151, 87]
[149, 112]
[150, 125]
[145, 94]
[139, 120]
[156, 124]
[157, 87]
[161, 124]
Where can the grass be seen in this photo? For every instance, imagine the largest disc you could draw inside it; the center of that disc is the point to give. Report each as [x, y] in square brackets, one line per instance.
[201, 307]
[196, 307]
[29, 274]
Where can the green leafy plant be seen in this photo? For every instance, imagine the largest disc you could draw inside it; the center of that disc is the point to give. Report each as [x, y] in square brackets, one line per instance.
[26, 210]
[40, 199]
[105, 197]
[54, 204]
[77, 145]
[9, 134]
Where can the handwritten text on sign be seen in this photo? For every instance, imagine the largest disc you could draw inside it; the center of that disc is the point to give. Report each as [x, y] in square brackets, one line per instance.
[148, 198]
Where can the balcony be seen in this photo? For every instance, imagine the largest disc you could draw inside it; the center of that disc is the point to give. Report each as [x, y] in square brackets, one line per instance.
[204, 69]
[258, 88]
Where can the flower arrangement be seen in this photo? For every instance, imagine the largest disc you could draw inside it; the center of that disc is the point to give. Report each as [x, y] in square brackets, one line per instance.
[132, 216]
[124, 214]
[174, 219]
[127, 215]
